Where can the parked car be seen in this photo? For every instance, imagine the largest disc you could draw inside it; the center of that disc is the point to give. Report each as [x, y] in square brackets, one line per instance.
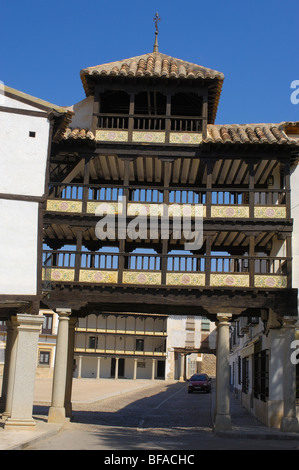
[199, 383]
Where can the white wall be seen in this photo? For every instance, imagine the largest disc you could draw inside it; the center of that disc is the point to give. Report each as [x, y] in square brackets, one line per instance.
[18, 244]
[23, 162]
[23, 159]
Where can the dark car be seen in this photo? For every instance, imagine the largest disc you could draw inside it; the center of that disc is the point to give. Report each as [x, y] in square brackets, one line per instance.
[199, 383]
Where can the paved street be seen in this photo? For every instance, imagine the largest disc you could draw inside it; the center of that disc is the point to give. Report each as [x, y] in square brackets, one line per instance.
[162, 416]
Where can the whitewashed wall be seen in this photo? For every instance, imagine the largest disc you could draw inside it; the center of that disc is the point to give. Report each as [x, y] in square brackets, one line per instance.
[23, 162]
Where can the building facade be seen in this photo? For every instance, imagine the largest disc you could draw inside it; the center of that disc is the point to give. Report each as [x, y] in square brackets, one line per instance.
[146, 206]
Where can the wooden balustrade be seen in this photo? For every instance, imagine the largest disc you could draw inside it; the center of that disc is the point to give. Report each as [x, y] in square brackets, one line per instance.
[175, 263]
[177, 195]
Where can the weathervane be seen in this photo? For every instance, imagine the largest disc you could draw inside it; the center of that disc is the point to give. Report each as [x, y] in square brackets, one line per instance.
[156, 20]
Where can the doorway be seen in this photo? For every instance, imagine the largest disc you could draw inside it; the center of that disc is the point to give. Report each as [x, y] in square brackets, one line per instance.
[161, 370]
[121, 367]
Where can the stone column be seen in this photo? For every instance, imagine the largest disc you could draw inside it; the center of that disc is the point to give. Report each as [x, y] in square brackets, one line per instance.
[8, 346]
[289, 422]
[153, 369]
[98, 367]
[135, 369]
[116, 368]
[22, 371]
[70, 367]
[57, 410]
[222, 411]
[80, 367]
[182, 367]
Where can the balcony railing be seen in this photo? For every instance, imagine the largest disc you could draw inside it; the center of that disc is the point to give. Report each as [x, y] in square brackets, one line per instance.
[144, 122]
[171, 269]
[255, 202]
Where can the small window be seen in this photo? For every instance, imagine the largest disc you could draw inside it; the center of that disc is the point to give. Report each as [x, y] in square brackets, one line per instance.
[32, 134]
[47, 325]
[139, 344]
[93, 342]
[44, 358]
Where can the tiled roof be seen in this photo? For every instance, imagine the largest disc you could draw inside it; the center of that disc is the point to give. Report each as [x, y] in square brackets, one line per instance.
[78, 134]
[220, 134]
[157, 65]
[249, 134]
[154, 64]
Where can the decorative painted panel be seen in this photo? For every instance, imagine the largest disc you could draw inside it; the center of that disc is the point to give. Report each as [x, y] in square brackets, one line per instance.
[230, 211]
[112, 136]
[141, 277]
[59, 205]
[58, 274]
[229, 280]
[144, 209]
[149, 137]
[180, 210]
[185, 138]
[268, 281]
[270, 212]
[106, 207]
[185, 279]
[93, 276]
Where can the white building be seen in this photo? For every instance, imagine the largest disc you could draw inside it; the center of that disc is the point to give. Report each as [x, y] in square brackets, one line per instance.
[257, 359]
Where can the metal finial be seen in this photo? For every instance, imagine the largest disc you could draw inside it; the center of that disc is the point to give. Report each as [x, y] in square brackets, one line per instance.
[156, 20]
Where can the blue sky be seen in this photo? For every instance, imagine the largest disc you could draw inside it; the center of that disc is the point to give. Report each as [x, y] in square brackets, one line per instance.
[254, 43]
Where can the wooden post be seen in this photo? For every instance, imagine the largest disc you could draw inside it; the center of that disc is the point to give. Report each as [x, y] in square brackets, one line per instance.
[204, 116]
[86, 182]
[251, 260]
[251, 189]
[79, 236]
[287, 186]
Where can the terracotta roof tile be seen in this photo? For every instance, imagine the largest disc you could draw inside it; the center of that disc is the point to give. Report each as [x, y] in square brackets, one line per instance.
[153, 64]
[249, 133]
[219, 134]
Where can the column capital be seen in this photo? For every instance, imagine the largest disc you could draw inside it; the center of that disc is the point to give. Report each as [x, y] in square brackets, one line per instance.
[289, 321]
[63, 312]
[224, 318]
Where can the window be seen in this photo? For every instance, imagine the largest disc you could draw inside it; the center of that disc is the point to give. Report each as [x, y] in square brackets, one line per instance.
[3, 325]
[47, 325]
[205, 324]
[44, 358]
[261, 375]
[93, 342]
[245, 374]
[139, 344]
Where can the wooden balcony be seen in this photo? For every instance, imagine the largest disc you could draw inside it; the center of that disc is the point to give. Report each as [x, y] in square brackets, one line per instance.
[189, 271]
[218, 203]
[154, 129]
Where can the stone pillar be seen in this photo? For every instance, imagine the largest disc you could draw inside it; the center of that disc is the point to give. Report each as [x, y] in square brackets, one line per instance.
[70, 367]
[8, 346]
[289, 422]
[222, 411]
[80, 367]
[182, 367]
[153, 369]
[98, 367]
[22, 370]
[116, 368]
[275, 400]
[57, 410]
[135, 369]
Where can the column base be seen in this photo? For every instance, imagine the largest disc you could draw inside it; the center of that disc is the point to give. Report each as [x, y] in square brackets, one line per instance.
[222, 423]
[16, 424]
[289, 425]
[56, 415]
